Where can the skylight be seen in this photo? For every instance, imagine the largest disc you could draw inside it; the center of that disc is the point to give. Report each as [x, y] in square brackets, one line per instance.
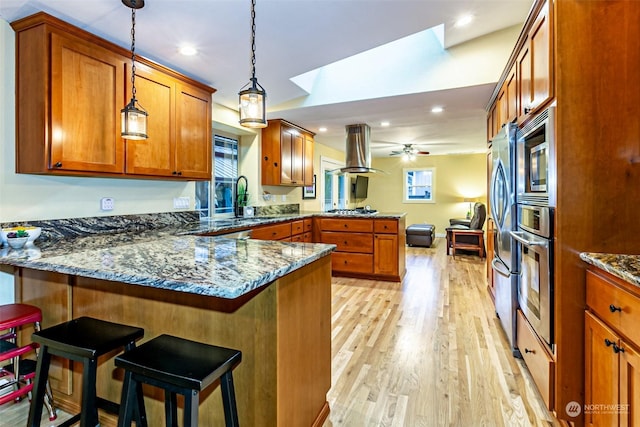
[391, 69]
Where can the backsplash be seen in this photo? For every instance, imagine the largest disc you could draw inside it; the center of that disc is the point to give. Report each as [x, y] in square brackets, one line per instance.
[57, 229]
[292, 208]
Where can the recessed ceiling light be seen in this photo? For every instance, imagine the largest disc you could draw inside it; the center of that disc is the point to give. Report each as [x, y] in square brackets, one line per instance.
[464, 20]
[437, 110]
[188, 50]
[384, 124]
[322, 129]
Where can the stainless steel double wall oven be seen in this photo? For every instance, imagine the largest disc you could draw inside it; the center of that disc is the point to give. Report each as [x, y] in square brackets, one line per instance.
[536, 195]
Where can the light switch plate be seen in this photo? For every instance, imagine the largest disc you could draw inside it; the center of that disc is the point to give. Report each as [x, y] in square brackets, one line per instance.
[107, 204]
[181, 202]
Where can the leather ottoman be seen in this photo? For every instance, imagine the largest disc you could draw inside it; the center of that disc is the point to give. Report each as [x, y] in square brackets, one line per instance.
[420, 234]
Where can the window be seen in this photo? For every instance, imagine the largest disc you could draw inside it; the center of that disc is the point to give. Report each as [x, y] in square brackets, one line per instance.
[225, 166]
[419, 185]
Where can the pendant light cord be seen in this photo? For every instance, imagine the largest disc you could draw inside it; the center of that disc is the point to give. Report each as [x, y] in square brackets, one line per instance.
[133, 53]
[253, 39]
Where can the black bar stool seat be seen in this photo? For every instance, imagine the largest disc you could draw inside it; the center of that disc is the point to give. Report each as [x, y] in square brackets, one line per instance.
[178, 366]
[82, 340]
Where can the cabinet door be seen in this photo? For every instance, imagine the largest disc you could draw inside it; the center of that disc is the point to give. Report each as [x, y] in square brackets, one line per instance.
[87, 94]
[307, 160]
[601, 371]
[511, 102]
[286, 152]
[155, 92]
[629, 387]
[541, 58]
[193, 133]
[523, 65]
[385, 254]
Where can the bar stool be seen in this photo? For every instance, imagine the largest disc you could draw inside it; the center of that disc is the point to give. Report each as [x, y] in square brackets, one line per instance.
[81, 340]
[178, 366]
[20, 371]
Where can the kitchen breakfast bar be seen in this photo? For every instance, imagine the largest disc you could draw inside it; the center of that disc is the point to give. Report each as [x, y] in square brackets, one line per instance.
[271, 300]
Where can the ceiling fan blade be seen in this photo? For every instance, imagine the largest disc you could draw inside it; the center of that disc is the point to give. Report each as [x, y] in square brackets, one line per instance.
[422, 153]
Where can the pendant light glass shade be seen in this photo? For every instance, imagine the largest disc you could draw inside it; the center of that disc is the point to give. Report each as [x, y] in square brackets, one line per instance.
[253, 106]
[253, 100]
[134, 121]
[133, 117]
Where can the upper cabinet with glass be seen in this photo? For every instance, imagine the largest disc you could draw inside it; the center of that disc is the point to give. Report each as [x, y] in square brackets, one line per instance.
[70, 92]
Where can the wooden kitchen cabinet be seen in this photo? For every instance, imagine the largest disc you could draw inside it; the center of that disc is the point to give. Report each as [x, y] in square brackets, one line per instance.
[280, 231]
[56, 109]
[538, 359]
[385, 247]
[612, 360]
[71, 87]
[367, 248]
[178, 144]
[287, 154]
[535, 66]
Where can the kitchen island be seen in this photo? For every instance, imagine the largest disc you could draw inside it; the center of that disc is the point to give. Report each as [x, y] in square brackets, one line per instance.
[271, 300]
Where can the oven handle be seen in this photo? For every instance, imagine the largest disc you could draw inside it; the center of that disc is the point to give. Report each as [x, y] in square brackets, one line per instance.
[518, 235]
[499, 267]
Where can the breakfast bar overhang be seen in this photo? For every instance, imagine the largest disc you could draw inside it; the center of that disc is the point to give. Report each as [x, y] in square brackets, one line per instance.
[271, 300]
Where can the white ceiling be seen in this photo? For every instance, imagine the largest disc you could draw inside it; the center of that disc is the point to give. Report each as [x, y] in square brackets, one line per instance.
[297, 36]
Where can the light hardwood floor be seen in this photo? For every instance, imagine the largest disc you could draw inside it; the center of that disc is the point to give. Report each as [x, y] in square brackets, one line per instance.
[428, 352]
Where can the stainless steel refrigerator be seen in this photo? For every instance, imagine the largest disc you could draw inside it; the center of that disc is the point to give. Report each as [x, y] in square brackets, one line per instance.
[502, 197]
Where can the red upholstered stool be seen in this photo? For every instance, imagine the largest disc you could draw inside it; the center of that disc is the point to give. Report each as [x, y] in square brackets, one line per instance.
[17, 370]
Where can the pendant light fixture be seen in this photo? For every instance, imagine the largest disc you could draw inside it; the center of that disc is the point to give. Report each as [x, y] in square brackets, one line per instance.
[253, 99]
[134, 118]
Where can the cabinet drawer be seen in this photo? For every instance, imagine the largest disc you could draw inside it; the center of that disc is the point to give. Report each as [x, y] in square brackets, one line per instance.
[297, 227]
[340, 224]
[385, 226]
[350, 242]
[308, 225]
[272, 232]
[352, 263]
[297, 238]
[539, 362]
[615, 306]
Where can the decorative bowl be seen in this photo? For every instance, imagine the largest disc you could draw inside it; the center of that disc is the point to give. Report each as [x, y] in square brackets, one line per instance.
[34, 232]
[17, 242]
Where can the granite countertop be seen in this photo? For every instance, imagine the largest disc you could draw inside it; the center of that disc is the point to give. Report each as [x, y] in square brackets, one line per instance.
[172, 257]
[626, 267]
[168, 251]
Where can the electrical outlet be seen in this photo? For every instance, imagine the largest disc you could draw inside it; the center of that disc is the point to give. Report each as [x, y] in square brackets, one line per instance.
[181, 202]
[284, 197]
[107, 203]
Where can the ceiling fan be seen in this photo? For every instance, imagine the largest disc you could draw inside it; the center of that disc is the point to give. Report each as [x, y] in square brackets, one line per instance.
[409, 152]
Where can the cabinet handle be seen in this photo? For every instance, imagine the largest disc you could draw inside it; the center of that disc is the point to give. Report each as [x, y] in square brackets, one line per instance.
[174, 173]
[345, 243]
[526, 350]
[613, 308]
[58, 165]
[346, 226]
[608, 342]
[266, 158]
[275, 164]
[527, 110]
[617, 349]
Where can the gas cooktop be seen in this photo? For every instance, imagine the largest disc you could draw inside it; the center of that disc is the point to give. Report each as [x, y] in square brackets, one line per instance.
[353, 211]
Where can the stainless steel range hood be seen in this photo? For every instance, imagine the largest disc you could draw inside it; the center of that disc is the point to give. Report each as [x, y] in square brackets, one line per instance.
[358, 150]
